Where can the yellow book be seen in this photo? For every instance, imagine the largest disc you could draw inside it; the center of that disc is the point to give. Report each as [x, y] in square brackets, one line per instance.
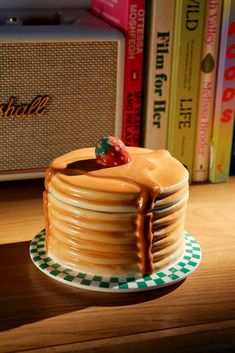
[206, 98]
[224, 110]
[188, 31]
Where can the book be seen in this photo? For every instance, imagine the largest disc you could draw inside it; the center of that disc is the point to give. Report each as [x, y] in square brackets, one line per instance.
[159, 43]
[232, 161]
[188, 30]
[129, 17]
[221, 142]
[207, 89]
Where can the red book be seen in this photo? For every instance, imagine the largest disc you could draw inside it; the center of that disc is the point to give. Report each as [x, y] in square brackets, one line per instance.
[129, 17]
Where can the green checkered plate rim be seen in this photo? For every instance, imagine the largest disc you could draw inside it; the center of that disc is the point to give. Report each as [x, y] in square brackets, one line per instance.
[175, 272]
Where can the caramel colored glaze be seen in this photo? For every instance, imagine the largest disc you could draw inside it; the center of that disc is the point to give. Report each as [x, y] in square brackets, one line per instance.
[136, 185]
[145, 241]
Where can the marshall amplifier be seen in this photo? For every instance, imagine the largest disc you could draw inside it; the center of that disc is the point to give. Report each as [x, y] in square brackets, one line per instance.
[61, 86]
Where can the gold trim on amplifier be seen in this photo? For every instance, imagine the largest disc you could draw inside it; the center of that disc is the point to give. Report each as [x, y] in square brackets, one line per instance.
[36, 107]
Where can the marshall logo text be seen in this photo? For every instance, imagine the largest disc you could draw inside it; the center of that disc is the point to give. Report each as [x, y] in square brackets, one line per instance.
[34, 109]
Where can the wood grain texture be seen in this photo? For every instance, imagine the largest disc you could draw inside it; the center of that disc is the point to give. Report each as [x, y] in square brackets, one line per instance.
[21, 210]
[38, 314]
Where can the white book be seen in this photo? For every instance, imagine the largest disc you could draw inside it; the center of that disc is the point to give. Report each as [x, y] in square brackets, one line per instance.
[158, 67]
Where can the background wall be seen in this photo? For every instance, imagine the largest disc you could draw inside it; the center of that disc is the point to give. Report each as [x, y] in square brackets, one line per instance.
[19, 4]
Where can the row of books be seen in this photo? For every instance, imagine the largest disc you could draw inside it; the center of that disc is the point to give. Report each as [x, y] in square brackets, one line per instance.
[180, 76]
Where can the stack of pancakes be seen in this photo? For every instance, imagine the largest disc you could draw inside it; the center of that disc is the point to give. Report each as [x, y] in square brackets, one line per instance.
[124, 220]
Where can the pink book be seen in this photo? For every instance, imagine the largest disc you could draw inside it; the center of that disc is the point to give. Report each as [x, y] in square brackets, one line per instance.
[129, 17]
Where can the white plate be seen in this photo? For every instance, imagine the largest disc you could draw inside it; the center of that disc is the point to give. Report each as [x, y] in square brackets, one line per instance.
[171, 274]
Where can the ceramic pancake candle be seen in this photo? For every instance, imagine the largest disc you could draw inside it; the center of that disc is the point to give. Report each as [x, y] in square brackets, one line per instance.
[115, 219]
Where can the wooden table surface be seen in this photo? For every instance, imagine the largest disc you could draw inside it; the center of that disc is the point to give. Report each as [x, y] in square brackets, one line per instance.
[39, 314]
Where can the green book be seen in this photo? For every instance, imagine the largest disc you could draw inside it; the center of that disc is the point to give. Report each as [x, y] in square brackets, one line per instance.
[188, 31]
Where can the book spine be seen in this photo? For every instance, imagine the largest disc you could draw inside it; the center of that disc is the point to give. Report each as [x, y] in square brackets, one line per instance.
[207, 90]
[158, 67]
[225, 99]
[113, 11]
[188, 31]
[133, 26]
[232, 162]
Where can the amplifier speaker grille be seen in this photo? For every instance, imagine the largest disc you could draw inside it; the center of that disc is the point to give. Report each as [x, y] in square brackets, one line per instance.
[80, 79]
